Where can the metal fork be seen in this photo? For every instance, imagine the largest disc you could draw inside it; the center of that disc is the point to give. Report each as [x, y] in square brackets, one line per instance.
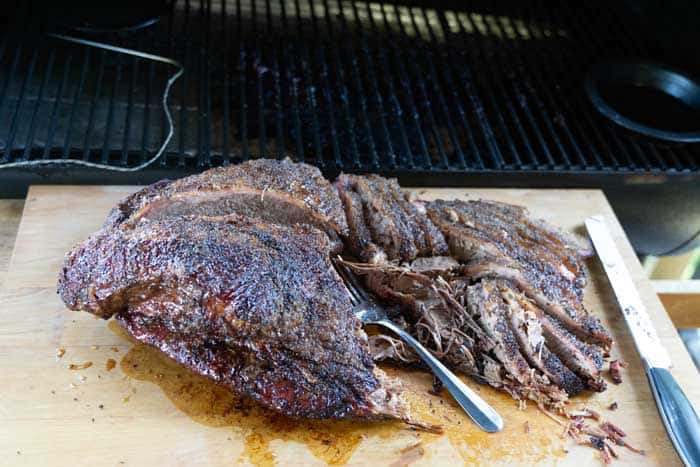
[370, 312]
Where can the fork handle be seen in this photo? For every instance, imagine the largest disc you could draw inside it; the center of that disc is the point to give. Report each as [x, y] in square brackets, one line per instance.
[482, 413]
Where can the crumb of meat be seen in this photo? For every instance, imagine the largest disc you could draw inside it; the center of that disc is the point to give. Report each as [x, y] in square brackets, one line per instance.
[603, 435]
[437, 387]
[616, 367]
[597, 443]
[79, 366]
[110, 364]
[613, 406]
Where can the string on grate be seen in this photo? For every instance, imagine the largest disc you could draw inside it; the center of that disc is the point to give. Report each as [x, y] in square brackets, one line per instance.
[166, 93]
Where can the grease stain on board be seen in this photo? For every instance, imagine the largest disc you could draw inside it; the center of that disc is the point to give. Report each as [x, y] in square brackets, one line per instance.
[335, 441]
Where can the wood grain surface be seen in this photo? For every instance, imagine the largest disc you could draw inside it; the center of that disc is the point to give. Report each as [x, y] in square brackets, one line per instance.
[10, 215]
[149, 411]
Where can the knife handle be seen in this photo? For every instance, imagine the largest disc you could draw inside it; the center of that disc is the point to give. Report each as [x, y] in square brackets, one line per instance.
[678, 415]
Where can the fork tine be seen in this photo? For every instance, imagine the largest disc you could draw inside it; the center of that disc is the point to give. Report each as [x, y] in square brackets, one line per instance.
[354, 297]
[352, 281]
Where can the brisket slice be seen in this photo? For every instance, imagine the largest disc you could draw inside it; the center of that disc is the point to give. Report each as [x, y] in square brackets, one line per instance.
[489, 308]
[257, 307]
[283, 192]
[397, 227]
[577, 320]
[528, 331]
[498, 240]
[359, 239]
[387, 221]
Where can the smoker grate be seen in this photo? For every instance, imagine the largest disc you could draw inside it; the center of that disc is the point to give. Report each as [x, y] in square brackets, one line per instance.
[458, 91]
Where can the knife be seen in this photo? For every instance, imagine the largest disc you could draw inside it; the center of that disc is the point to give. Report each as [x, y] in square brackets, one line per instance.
[678, 415]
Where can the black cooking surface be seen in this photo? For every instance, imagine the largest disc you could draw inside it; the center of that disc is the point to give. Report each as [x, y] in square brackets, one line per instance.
[456, 93]
[464, 87]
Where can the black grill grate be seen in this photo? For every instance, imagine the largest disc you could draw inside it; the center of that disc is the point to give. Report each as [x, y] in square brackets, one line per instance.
[463, 88]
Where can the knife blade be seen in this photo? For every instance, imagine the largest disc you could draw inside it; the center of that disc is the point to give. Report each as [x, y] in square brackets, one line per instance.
[643, 333]
[677, 413]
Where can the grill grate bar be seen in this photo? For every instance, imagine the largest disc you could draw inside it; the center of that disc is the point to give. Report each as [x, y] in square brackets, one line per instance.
[407, 86]
[259, 70]
[689, 158]
[124, 160]
[308, 84]
[543, 61]
[74, 106]
[345, 33]
[535, 91]
[51, 132]
[479, 108]
[326, 89]
[343, 92]
[93, 106]
[22, 93]
[426, 56]
[289, 64]
[110, 112]
[364, 47]
[145, 132]
[519, 97]
[331, 112]
[611, 141]
[428, 105]
[226, 82]
[8, 80]
[37, 105]
[279, 105]
[242, 78]
[204, 121]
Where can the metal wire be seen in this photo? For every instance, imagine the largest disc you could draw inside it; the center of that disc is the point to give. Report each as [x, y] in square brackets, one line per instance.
[166, 93]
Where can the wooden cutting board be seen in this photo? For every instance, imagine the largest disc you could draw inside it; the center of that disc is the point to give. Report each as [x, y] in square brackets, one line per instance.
[148, 411]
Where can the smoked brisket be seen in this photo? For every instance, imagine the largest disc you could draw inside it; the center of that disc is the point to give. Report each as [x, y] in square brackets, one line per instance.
[257, 307]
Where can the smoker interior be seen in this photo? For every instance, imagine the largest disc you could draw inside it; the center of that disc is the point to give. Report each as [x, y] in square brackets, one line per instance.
[452, 93]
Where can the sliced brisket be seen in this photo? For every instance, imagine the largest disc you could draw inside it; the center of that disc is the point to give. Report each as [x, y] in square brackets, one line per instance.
[499, 240]
[359, 240]
[528, 331]
[487, 305]
[475, 340]
[434, 318]
[398, 227]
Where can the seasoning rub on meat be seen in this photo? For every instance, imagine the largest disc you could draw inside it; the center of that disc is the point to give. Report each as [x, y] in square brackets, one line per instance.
[228, 272]
[255, 306]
